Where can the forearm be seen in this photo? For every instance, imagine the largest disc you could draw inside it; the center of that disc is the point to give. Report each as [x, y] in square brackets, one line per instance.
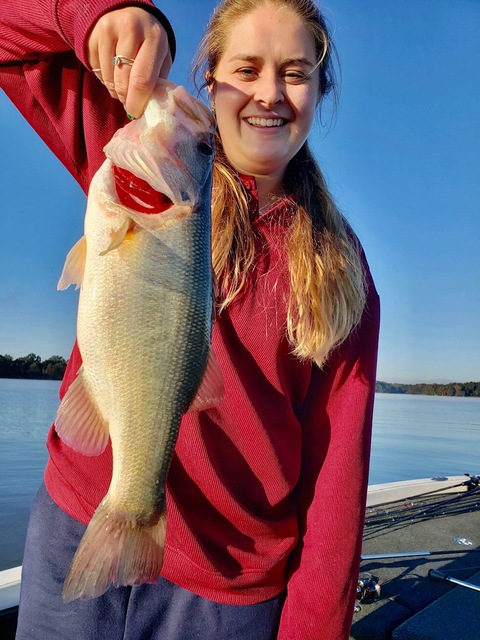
[45, 72]
[28, 31]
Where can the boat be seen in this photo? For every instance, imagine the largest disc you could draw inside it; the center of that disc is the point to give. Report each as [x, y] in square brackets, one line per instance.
[420, 569]
[9, 596]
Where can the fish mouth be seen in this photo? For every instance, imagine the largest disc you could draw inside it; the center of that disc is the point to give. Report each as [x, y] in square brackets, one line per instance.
[137, 194]
[266, 123]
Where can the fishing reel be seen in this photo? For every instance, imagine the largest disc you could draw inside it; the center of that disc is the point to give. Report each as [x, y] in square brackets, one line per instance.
[368, 589]
[472, 483]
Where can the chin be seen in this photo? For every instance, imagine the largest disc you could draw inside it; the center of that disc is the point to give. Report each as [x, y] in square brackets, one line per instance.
[263, 166]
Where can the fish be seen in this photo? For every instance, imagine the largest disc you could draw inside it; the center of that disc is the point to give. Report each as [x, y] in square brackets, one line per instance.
[144, 322]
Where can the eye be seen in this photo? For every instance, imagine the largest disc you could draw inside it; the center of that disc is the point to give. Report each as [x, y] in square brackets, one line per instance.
[247, 73]
[295, 77]
[205, 149]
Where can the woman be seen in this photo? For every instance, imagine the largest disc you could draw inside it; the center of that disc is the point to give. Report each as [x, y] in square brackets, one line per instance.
[266, 492]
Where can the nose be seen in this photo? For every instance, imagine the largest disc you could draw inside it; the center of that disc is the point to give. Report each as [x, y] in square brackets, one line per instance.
[269, 90]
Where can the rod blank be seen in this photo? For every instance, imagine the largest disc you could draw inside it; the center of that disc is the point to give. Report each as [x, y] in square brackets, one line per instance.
[408, 554]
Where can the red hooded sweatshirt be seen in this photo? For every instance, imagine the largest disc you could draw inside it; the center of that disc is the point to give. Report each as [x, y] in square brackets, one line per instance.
[267, 491]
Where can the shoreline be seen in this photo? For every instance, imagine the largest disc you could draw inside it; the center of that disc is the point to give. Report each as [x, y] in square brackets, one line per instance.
[450, 389]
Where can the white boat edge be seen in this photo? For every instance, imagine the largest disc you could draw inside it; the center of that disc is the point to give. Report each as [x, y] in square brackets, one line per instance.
[377, 494]
[10, 588]
[403, 489]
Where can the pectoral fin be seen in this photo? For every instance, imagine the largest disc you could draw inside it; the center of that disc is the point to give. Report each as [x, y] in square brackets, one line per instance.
[79, 422]
[74, 266]
[211, 390]
[119, 236]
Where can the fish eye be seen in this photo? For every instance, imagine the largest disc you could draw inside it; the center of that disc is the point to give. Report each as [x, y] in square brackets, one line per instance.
[205, 149]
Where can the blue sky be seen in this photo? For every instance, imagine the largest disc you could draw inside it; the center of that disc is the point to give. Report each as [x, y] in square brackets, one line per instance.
[402, 161]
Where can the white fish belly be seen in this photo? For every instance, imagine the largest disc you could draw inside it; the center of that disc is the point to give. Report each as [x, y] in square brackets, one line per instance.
[144, 332]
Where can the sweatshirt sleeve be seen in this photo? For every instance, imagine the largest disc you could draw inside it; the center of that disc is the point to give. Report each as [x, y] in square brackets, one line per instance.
[44, 72]
[331, 494]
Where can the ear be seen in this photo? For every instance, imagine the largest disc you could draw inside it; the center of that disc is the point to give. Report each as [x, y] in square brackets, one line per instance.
[210, 83]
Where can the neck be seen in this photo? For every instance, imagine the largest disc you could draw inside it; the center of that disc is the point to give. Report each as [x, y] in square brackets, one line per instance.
[269, 189]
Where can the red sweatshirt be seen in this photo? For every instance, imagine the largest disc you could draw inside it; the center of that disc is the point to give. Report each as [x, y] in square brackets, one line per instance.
[266, 491]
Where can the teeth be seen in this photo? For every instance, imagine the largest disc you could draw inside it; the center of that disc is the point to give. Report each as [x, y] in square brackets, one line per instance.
[266, 122]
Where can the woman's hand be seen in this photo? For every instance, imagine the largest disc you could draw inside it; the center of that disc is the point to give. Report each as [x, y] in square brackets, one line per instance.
[136, 34]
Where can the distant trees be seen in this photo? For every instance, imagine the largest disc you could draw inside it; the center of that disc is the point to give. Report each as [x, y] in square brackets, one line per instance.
[32, 367]
[454, 389]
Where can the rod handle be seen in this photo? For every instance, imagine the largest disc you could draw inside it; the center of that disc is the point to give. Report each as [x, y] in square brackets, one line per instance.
[437, 575]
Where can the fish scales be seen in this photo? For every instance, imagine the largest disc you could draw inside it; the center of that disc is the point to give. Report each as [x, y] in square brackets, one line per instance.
[143, 327]
[169, 315]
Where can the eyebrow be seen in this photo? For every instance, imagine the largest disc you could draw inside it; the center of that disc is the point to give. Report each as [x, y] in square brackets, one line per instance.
[245, 57]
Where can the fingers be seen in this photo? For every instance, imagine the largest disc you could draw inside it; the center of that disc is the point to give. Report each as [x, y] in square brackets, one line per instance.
[151, 62]
[167, 64]
[105, 55]
[141, 42]
[128, 42]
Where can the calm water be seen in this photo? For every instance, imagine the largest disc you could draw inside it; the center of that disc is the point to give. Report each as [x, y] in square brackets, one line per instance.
[414, 437]
[27, 408]
[423, 437]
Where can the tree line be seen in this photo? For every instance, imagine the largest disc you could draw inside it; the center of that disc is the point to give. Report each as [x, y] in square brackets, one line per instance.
[32, 367]
[455, 389]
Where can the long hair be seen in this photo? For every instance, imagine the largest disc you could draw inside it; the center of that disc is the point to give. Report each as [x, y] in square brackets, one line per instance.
[327, 283]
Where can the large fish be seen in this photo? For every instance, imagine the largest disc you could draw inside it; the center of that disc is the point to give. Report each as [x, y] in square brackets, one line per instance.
[144, 324]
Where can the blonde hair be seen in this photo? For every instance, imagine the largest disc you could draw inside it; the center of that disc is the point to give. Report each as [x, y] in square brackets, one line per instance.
[327, 283]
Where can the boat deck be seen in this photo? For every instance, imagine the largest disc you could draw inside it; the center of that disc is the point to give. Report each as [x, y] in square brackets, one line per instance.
[412, 606]
[443, 528]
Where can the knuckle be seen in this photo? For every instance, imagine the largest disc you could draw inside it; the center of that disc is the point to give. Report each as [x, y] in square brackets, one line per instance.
[129, 20]
[103, 25]
[139, 82]
[121, 88]
[156, 30]
[110, 85]
[157, 37]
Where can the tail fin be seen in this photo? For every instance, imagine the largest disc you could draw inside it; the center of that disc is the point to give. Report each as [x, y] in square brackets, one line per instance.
[114, 551]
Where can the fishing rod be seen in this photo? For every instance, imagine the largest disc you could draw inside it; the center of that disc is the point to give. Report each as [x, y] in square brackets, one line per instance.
[426, 501]
[369, 588]
[410, 554]
[472, 482]
[433, 574]
[409, 511]
[427, 508]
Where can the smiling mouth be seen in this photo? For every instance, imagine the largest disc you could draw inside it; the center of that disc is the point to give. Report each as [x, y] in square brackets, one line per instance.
[266, 122]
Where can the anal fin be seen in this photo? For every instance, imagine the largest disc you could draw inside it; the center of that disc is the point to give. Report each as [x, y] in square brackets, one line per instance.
[211, 390]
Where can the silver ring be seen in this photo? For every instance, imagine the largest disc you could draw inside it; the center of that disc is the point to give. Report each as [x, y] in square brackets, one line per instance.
[97, 70]
[119, 60]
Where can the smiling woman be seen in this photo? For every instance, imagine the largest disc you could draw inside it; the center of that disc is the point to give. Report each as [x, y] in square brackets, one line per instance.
[264, 96]
[295, 336]
[267, 68]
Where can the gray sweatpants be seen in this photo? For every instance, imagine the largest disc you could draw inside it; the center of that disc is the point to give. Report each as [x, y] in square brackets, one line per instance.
[162, 611]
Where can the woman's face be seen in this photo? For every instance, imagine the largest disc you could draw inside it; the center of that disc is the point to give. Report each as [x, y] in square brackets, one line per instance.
[264, 102]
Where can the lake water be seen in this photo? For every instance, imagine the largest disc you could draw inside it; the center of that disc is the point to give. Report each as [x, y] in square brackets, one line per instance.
[413, 437]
